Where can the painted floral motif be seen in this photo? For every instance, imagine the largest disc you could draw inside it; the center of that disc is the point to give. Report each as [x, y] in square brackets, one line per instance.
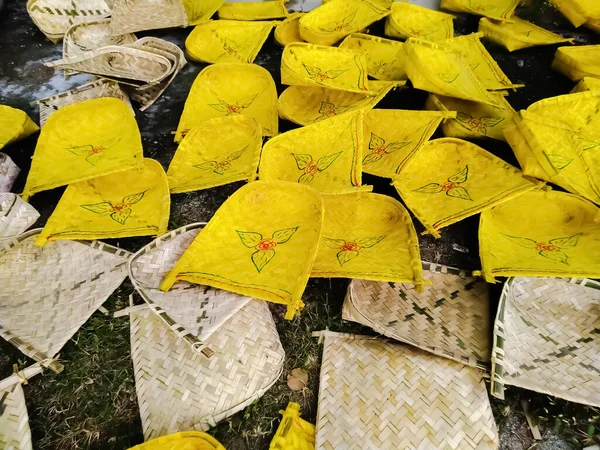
[119, 212]
[379, 148]
[383, 68]
[328, 110]
[550, 250]
[559, 162]
[349, 250]
[452, 187]
[316, 74]
[220, 167]
[588, 144]
[92, 153]
[448, 77]
[230, 48]
[310, 166]
[344, 25]
[265, 247]
[236, 108]
[480, 125]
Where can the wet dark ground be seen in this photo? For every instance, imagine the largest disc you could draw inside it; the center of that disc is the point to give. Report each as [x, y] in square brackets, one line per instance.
[24, 78]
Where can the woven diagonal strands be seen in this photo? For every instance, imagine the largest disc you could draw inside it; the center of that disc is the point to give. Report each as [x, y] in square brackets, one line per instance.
[48, 294]
[54, 17]
[451, 318]
[140, 15]
[89, 91]
[16, 215]
[178, 389]
[14, 420]
[194, 312]
[9, 172]
[546, 338]
[376, 395]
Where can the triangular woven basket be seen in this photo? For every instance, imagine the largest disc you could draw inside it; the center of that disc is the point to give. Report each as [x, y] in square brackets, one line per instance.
[192, 311]
[14, 420]
[49, 293]
[450, 319]
[9, 172]
[546, 338]
[377, 395]
[16, 215]
[178, 389]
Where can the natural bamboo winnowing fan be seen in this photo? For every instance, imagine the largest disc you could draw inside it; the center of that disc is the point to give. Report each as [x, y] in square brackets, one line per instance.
[388, 146]
[14, 125]
[552, 234]
[228, 90]
[9, 172]
[16, 215]
[305, 105]
[134, 202]
[326, 155]
[216, 152]
[14, 420]
[261, 242]
[494, 9]
[370, 237]
[385, 58]
[335, 20]
[222, 41]
[140, 15]
[82, 141]
[448, 180]
[437, 69]
[408, 20]
[330, 67]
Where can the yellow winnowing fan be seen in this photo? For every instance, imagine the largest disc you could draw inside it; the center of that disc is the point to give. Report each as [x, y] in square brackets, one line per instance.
[473, 120]
[134, 202]
[330, 67]
[184, 440]
[385, 57]
[494, 9]
[288, 30]
[227, 41]
[543, 234]
[201, 11]
[395, 134]
[448, 180]
[14, 125]
[82, 141]
[261, 242]
[578, 62]
[439, 70]
[305, 105]
[480, 61]
[580, 12]
[229, 89]
[408, 20]
[293, 433]
[253, 10]
[326, 155]
[518, 34]
[368, 236]
[587, 84]
[216, 152]
[331, 22]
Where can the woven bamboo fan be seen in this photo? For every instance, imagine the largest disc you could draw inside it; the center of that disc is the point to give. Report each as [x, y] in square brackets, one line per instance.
[16, 215]
[264, 10]
[497, 10]
[288, 30]
[14, 420]
[178, 389]
[54, 17]
[377, 395]
[408, 20]
[123, 63]
[191, 440]
[587, 84]
[147, 95]
[546, 338]
[385, 58]
[96, 89]
[48, 293]
[578, 62]
[193, 312]
[9, 172]
[450, 319]
[305, 105]
[14, 125]
[84, 37]
[130, 16]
